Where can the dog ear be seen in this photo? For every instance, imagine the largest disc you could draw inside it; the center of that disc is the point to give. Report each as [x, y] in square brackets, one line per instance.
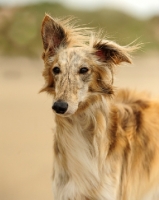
[111, 52]
[53, 35]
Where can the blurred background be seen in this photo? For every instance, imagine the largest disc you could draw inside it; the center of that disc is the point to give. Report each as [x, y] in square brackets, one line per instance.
[26, 119]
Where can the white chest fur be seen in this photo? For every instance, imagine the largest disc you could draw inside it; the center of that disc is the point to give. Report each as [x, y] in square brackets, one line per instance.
[80, 171]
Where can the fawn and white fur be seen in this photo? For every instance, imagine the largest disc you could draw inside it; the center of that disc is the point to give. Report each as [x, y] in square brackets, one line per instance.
[106, 143]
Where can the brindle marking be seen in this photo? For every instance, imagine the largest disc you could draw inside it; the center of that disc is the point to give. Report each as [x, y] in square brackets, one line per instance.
[106, 142]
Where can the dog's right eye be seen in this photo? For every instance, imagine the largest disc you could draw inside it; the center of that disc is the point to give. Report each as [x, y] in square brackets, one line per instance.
[83, 70]
[56, 70]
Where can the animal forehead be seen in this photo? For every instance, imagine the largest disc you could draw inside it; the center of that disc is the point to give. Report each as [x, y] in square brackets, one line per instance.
[73, 56]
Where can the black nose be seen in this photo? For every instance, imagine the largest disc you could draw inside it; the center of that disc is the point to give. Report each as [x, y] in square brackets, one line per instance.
[60, 106]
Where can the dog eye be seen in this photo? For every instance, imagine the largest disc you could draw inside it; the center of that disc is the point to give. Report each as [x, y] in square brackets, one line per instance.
[56, 70]
[83, 70]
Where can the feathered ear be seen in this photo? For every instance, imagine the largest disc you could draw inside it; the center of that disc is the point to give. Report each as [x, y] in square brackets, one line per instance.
[109, 52]
[53, 35]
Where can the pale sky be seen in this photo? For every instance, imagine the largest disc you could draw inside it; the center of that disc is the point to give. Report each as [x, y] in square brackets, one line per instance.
[139, 8]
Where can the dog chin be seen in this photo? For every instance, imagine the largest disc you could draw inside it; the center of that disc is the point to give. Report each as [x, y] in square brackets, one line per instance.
[69, 112]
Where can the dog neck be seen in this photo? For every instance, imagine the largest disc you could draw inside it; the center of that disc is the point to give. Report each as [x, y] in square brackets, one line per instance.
[85, 130]
[81, 145]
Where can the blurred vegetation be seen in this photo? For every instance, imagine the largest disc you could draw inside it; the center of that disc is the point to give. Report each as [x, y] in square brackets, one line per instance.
[20, 27]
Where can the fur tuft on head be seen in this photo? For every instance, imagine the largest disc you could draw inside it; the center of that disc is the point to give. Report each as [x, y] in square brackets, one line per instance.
[65, 33]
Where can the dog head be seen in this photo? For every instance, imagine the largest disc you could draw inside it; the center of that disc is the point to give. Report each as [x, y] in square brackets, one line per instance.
[77, 70]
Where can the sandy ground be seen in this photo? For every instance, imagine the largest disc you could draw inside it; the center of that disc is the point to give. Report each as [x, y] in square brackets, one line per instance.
[26, 123]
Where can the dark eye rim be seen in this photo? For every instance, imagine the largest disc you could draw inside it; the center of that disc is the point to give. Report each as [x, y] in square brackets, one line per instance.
[83, 70]
[56, 70]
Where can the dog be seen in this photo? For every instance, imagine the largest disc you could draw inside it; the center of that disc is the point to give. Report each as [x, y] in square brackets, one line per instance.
[106, 141]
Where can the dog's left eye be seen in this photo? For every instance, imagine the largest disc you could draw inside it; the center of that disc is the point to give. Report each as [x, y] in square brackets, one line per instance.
[83, 70]
[56, 70]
